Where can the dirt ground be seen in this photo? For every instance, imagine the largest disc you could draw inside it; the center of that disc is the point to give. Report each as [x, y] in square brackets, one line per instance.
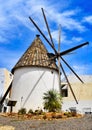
[10, 123]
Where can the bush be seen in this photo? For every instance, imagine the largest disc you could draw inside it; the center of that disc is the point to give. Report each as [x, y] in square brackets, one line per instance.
[68, 114]
[30, 111]
[57, 115]
[22, 111]
[38, 112]
[44, 117]
[52, 101]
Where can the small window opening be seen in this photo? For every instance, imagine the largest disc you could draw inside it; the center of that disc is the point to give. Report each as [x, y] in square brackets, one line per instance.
[64, 90]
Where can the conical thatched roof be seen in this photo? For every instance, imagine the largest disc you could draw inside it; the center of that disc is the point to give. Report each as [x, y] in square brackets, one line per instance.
[36, 55]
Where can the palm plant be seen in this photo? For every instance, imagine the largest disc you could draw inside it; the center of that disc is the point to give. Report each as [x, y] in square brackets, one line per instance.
[52, 101]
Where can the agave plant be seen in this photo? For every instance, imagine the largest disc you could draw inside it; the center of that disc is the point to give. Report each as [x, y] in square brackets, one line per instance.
[52, 101]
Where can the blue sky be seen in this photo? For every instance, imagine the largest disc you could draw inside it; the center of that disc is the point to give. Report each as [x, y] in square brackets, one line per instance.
[17, 32]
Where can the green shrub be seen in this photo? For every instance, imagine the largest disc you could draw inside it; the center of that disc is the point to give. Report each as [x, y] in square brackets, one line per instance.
[38, 112]
[22, 111]
[52, 101]
[68, 114]
[30, 111]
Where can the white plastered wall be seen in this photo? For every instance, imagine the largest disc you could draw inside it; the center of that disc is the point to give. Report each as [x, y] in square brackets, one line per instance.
[29, 84]
[83, 93]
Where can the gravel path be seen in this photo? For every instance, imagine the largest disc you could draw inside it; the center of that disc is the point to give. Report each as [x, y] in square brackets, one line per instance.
[84, 123]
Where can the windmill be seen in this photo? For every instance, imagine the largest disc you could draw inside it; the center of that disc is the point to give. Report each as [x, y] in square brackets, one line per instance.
[26, 71]
[57, 54]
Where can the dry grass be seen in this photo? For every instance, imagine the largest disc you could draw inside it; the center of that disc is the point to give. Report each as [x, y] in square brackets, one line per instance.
[45, 116]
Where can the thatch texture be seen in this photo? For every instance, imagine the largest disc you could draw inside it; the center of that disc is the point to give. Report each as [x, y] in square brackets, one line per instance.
[36, 55]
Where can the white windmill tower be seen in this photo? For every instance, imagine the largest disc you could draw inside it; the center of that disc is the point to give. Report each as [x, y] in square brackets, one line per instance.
[34, 74]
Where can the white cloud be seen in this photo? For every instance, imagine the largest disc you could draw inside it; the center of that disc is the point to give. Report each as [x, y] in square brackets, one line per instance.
[13, 12]
[77, 39]
[82, 69]
[16, 13]
[55, 35]
[88, 19]
[66, 19]
[64, 38]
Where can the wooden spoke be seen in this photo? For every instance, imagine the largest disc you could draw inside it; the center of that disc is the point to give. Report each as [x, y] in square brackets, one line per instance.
[7, 91]
[71, 69]
[74, 48]
[47, 27]
[43, 34]
[68, 83]
[59, 40]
